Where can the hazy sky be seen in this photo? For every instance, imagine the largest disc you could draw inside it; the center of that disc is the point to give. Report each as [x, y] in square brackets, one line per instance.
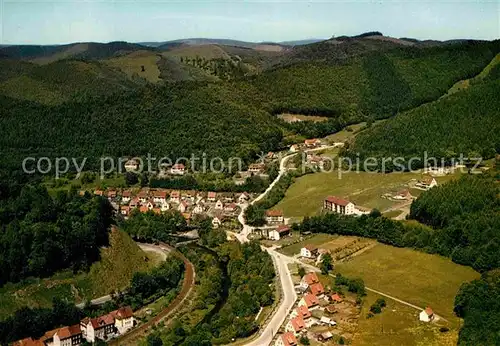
[63, 21]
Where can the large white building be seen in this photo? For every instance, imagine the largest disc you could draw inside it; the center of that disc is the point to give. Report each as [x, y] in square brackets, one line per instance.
[339, 205]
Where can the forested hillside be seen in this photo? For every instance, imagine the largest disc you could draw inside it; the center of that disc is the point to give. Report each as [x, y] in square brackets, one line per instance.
[478, 303]
[40, 235]
[463, 123]
[172, 120]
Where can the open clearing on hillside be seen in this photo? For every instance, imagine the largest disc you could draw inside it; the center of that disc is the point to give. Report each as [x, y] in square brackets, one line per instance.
[112, 273]
[305, 196]
[131, 64]
[291, 118]
[399, 325]
[416, 277]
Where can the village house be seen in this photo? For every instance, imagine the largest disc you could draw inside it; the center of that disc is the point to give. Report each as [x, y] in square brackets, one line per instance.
[317, 289]
[68, 336]
[126, 196]
[125, 210]
[219, 205]
[426, 183]
[243, 198]
[257, 168]
[426, 315]
[296, 325]
[274, 216]
[309, 251]
[217, 221]
[286, 339]
[211, 196]
[335, 298]
[142, 196]
[326, 321]
[131, 165]
[124, 319]
[175, 196]
[325, 336]
[134, 203]
[111, 194]
[338, 205]
[309, 279]
[183, 207]
[102, 327]
[310, 301]
[280, 232]
[160, 196]
[178, 169]
[312, 143]
[143, 209]
[402, 195]
[164, 206]
[294, 148]
[301, 311]
[199, 209]
[230, 208]
[28, 342]
[331, 309]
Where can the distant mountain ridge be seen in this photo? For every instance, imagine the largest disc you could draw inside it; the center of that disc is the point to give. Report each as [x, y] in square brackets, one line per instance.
[227, 42]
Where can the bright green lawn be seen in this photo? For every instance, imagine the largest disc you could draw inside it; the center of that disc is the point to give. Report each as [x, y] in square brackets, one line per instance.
[316, 239]
[416, 277]
[398, 325]
[306, 195]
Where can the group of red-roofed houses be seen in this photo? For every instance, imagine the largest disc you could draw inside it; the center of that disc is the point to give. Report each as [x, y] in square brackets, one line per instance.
[188, 202]
[301, 318]
[102, 328]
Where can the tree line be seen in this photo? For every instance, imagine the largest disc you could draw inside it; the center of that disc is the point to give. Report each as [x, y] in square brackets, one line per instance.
[40, 234]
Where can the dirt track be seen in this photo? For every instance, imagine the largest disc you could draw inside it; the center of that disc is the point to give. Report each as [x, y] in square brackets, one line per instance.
[187, 285]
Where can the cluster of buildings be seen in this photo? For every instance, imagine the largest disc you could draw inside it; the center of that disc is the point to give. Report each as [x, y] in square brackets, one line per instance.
[343, 206]
[188, 202]
[313, 297]
[133, 165]
[275, 228]
[89, 330]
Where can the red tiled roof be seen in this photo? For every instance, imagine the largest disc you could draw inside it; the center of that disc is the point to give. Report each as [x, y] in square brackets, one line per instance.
[68, 332]
[28, 342]
[178, 166]
[212, 194]
[298, 323]
[311, 300]
[317, 289]
[311, 247]
[337, 200]
[311, 278]
[304, 312]
[102, 321]
[175, 194]
[429, 311]
[283, 228]
[274, 213]
[331, 309]
[289, 339]
[143, 209]
[126, 193]
[335, 297]
[311, 141]
[125, 312]
[160, 194]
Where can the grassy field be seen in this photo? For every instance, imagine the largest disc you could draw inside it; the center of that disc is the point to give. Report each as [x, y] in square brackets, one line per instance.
[398, 325]
[131, 64]
[113, 272]
[305, 196]
[317, 239]
[416, 277]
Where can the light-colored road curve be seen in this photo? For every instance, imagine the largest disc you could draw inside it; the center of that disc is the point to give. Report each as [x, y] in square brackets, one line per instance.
[281, 265]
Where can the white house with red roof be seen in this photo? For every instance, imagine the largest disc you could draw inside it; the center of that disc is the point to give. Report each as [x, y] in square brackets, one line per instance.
[310, 301]
[296, 325]
[126, 196]
[178, 169]
[274, 216]
[309, 251]
[160, 196]
[280, 232]
[175, 196]
[312, 143]
[243, 198]
[339, 205]
[286, 339]
[317, 289]
[219, 205]
[183, 207]
[426, 315]
[211, 196]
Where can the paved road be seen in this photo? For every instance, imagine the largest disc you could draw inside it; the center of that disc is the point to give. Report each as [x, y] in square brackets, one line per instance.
[161, 250]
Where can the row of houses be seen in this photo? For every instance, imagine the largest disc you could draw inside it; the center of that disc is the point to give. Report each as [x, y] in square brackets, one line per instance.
[90, 330]
[301, 317]
[134, 165]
